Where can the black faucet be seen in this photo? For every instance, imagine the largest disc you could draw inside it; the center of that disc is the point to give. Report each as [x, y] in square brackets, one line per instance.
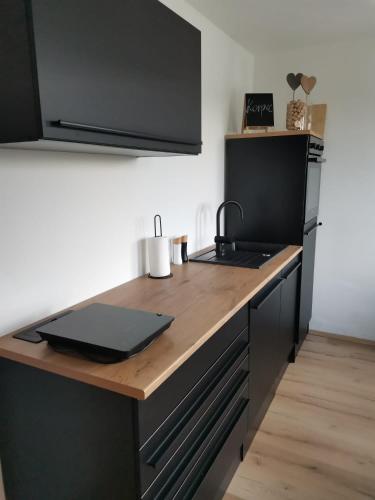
[221, 240]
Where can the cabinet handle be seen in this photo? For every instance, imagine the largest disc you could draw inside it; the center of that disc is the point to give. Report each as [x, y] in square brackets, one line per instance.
[220, 435]
[241, 404]
[264, 300]
[216, 447]
[315, 226]
[123, 133]
[157, 455]
[297, 266]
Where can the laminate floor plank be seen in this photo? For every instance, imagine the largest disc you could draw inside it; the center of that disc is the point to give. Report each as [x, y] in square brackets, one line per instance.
[317, 441]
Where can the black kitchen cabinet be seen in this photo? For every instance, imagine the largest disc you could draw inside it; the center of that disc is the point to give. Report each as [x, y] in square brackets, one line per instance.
[267, 177]
[276, 179]
[273, 327]
[264, 355]
[184, 441]
[277, 182]
[289, 314]
[171, 445]
[61, 439]
[307, 280]
[120, 76]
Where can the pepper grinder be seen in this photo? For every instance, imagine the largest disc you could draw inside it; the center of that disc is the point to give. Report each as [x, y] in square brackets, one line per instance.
[184, 254]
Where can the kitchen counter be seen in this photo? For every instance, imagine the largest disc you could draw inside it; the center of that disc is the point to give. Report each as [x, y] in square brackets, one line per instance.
[201, 297]
[174, 420]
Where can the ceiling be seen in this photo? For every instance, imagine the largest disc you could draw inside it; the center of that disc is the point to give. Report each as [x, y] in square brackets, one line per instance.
[285, 24]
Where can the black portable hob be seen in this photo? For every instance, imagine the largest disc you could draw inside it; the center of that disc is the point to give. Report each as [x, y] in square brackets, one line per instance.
[103, 333]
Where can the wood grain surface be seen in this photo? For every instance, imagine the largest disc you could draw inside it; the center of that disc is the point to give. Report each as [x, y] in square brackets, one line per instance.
[275, 133]
[202, 297]
[317, 118]
[317, 441]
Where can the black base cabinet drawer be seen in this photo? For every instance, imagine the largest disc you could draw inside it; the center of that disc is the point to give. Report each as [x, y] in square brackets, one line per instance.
[159, 406]
[201, 410]
[207, 431]
[222, 461]
[191, 471]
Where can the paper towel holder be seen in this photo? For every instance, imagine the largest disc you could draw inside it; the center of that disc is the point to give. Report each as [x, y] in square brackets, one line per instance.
[160, 227]
[157, 216]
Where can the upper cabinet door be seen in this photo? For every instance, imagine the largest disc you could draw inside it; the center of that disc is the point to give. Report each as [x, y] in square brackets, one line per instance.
[118, 68]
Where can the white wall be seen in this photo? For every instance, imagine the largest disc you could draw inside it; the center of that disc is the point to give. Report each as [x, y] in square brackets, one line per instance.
[344, 291]
[71, 224]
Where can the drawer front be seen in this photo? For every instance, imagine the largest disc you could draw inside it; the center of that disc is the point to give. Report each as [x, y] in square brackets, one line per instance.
[265, 364]
[289, 313]
[221, 462]
[215, 468]
[216, 424]
[158, 407]
[176, 435]
[289, 268]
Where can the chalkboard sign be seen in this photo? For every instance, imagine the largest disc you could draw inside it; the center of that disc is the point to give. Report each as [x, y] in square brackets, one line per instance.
[258, 110]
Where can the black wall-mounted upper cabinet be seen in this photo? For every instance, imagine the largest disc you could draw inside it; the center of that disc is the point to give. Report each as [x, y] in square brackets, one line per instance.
[113, 76]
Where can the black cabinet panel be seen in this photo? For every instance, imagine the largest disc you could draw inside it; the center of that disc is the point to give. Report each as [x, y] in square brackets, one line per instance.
[122, 73]
[307, 280]
[18, 87]
[277, 181]
[264, 350]
[289, 312]
[226, 455]
[112, 64]
[273, 326]
[61, 439]
[267, 176]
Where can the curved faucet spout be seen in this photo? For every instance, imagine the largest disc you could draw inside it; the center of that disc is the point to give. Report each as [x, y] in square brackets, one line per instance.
[222, 239]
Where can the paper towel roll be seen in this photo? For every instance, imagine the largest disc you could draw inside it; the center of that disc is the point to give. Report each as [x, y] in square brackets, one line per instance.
[158, 254]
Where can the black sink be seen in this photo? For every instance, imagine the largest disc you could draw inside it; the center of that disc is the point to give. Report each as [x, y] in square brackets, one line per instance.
[246, 254]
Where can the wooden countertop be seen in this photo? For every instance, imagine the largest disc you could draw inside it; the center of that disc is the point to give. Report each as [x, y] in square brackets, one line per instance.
[202, 297]
[274, 133]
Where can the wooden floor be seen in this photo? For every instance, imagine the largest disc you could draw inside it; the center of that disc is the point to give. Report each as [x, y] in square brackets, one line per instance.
[317, 441]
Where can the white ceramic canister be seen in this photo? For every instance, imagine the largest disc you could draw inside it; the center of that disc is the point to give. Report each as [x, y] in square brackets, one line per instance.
[176, 251]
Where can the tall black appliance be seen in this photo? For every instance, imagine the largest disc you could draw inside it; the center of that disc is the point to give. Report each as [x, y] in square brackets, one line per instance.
[277, 181]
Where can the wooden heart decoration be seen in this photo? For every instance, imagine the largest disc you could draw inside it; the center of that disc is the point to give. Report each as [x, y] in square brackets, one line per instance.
[308, 83]
[293, 80]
